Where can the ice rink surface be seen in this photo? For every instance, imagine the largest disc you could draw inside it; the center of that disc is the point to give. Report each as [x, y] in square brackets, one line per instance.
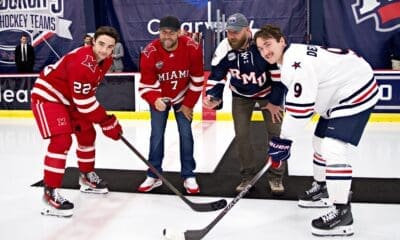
[144, 216]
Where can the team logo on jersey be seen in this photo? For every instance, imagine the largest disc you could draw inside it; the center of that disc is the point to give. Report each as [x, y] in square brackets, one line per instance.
[159, 64]
[385, 13]
[149, 49]
[90, 62]
[296, 65]
[61, 121]
[231, 56]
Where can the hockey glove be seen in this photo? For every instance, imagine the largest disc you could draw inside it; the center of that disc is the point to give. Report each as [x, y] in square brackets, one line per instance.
[279, 150]
[111, 127]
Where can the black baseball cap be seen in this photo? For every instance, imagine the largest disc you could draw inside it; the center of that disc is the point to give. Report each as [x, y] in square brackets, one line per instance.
[170, 22]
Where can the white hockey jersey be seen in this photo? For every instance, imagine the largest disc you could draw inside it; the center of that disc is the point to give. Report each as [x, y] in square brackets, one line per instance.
[331, 82]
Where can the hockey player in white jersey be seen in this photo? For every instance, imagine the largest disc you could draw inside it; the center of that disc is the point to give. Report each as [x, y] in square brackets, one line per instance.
[340, 87]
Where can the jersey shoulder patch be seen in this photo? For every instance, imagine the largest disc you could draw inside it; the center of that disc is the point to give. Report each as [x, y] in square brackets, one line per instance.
[192, 43]
[90, 63]
[148, 50]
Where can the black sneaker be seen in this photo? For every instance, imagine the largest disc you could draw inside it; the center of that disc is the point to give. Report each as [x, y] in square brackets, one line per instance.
[315, 197]
[337, 222]
[91, 183]
[55, 204]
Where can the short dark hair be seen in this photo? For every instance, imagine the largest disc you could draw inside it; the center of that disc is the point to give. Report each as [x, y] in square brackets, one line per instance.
[269, 31]
[107, 30]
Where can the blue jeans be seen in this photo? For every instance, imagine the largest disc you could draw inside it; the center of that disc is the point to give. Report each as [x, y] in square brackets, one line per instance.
[156, 154]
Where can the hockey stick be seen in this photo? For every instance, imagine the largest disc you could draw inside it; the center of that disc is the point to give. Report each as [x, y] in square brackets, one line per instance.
[199, 207]
[200, 233]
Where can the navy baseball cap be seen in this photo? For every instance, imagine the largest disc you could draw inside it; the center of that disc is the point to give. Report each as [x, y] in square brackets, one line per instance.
[170, 22]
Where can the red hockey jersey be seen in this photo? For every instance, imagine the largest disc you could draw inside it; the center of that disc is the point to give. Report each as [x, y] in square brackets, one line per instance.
[177, 74]
[73, 81]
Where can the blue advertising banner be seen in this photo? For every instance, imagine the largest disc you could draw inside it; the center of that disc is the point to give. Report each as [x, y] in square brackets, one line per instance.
[366, 26]
[138, 20]
[15, 92]
[389, 91]
[53, 29]
[56, 27]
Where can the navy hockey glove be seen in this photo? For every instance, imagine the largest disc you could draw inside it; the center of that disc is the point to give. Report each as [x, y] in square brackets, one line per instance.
[111, 127]
[279, 150]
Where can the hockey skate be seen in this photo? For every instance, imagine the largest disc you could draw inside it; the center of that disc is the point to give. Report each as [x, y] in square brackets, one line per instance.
[149, 184]
[55, 204]
[91, 183]
[316, 197]
[337, 222]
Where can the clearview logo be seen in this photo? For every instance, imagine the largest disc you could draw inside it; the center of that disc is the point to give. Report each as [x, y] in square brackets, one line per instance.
[12, 96]
[152, 26]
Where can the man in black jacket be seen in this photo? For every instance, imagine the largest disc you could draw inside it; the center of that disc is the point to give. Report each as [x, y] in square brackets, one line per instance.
[24, 56]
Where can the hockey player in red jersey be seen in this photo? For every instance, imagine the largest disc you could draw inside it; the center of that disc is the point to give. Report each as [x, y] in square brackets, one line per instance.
[171, 70]
[64, 103]
[339, 86]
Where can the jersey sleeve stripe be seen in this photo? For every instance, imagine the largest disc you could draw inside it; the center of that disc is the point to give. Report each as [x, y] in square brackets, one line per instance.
[276, 75]
[197, 79]
[84, 101]
[89, 109]
[212, 82]
[143, 91]
[195, 88]
[43, 94]
[366, 94]
[302, 116]
[305, 110]
[359, 91]
[53, 90]
[179, 97]
[351, 106]
[299, 104]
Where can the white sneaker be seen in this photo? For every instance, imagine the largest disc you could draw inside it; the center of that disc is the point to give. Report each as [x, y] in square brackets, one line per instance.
[149, 184]
[191, 185]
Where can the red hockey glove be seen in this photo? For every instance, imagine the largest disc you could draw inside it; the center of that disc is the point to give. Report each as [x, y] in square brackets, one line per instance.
[111, 127]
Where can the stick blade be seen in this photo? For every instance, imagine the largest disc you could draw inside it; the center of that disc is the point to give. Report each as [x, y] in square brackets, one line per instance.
[208, 207]
[195, 234]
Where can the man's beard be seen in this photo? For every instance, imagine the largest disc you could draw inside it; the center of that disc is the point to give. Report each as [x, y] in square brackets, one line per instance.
[237, 45]
[170, 45]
